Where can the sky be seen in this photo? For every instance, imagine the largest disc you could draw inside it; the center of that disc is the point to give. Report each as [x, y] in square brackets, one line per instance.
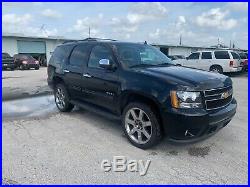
[198, 24]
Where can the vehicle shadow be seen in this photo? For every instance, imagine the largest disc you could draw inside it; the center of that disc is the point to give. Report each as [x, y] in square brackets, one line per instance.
[237, 74]
[165, 146]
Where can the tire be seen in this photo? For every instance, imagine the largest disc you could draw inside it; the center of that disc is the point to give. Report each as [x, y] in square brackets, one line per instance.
[21, 67]
[216, 69]
[140, 127]
[37, 68]
[12, 69]
[62, 98]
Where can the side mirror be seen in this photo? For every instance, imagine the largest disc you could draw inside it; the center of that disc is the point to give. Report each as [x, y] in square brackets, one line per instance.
[105, 63]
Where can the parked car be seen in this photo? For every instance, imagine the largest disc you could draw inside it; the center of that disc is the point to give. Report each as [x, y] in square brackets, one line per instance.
[7, 62]
[220, 61]
[139, 85]
[244, 61]
[23, 62]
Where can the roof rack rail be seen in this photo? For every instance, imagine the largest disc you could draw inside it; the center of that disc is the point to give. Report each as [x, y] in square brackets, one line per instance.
[69, 41]
[97, 39]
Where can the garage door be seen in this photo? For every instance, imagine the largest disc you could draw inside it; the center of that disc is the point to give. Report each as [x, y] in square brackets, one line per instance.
[31, 47]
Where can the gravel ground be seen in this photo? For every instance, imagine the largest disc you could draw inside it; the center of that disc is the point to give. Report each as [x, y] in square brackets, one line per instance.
[20, 84]
[43, 146]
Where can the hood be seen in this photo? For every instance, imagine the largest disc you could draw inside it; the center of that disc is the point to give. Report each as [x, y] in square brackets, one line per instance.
[188, 78]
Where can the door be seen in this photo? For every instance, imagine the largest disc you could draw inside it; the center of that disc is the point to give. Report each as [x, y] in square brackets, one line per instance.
[27, 47]
[74, 71]
[206, 61]
[192, 60]
[101, 85]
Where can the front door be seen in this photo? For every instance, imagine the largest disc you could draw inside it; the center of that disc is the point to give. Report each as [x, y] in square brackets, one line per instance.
[101, 85]
[192, 60]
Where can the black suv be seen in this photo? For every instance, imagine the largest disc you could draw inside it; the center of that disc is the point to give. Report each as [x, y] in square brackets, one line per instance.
[7, 62]
[139, 85]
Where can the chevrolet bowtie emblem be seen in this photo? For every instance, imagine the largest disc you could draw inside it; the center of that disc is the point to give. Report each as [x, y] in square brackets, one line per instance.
[224, 95]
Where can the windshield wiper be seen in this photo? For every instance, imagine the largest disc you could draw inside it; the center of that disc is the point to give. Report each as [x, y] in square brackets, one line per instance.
[141, 65]
[165, 64]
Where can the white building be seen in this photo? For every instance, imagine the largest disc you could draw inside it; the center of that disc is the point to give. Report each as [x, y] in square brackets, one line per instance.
[35, 46]
[185, 50]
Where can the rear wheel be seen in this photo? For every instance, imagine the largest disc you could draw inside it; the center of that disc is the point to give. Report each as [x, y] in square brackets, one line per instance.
[141, 125]
[62, 98]
[216, 69]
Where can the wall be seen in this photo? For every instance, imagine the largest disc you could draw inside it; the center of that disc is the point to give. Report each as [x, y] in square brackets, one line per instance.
[180, 51]
[9, 45]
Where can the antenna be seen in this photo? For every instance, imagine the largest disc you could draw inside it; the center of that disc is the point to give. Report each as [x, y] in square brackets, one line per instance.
[44, 30]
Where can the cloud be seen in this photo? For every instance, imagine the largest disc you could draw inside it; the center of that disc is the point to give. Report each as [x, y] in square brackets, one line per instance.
[238, 6]
[21, 24]
[82, 26]
[49, 13]
[216, 18]
[142, 12]
[9, 19]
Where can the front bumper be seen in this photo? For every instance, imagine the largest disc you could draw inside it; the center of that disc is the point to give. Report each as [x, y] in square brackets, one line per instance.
[8, 65]
[189, 126]
[27, 66]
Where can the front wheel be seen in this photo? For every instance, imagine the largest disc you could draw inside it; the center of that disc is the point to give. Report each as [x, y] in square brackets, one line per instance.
[141, 125]
[62, 98]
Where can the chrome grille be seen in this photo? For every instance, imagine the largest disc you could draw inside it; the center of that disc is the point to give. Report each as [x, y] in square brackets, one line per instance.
[218, 98]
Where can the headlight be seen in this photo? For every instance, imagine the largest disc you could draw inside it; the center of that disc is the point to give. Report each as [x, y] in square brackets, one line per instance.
[24, 62]
[182, 99]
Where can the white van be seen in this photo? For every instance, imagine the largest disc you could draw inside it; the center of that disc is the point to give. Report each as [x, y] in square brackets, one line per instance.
[220, 61]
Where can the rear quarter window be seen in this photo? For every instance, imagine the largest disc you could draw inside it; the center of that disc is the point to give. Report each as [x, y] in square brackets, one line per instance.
[61, 54]
[221, 55]
[235, 55]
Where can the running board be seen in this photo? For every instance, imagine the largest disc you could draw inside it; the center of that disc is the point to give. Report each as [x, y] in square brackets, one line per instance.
[95, 109]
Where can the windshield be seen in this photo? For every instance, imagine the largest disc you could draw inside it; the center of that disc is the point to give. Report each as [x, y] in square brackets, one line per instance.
[134, 55]
[27, 57]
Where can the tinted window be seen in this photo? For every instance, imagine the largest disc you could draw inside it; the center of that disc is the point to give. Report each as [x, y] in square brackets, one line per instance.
[235, 55]
[99, 52]
[243, 55]
[79, 55]
[194, 56]
[206, 55]
[61, 54]
[5, 55]
[221, 55]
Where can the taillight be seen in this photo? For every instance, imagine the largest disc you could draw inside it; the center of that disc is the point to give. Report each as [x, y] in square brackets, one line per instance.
[231, 63]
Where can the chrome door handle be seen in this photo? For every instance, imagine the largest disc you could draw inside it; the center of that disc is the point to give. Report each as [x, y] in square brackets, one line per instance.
[87, 75]
[66, 71]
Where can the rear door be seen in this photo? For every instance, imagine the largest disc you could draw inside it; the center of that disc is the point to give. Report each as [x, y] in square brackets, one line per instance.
[222, 59]
[101, 85]
[74, 70]
[192, 60]
[206, 60]
[236, 58]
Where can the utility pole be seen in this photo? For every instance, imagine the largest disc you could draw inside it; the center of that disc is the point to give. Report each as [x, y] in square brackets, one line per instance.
[230, 44]
[89, 32]
[180, 40]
